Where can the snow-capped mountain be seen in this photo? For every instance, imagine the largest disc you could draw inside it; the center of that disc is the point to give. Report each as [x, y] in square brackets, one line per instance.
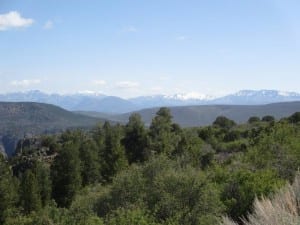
[250, 97]
[190, 96]
[88, 101]
[74, 102]
[171, 100]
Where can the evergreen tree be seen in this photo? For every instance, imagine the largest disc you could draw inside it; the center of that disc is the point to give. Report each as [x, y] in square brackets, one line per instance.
[162, 139]
[98, 136]
[224, 122]
[42, 173]
[30, 197]
[190, 147]
[113, 154]
[268, 118]
[135, 140]
[253, 119]
[65, 173]
[89, 162]
[295, 118]
[8, 193]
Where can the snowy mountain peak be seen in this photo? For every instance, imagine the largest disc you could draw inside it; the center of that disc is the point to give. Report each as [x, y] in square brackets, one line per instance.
[265, 93]
[288, 94]
[189, 96]
[95, 101]
[90, 93]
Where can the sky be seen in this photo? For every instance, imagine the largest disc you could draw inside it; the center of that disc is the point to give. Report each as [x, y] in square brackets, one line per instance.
[130, 48]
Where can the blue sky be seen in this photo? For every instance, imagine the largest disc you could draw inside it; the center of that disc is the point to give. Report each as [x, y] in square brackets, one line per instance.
[133, 47]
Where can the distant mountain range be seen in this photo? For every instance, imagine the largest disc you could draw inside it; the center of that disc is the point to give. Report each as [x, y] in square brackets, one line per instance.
[203, 115]
[117, 105]
[250, 97]
[29, 119]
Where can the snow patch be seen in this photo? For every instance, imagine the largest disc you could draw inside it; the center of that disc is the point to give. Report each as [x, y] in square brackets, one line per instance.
[189, 96]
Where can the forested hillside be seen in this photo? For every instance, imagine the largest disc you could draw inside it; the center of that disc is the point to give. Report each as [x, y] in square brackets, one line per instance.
[203, 115]
[28, 119]
[158, 175]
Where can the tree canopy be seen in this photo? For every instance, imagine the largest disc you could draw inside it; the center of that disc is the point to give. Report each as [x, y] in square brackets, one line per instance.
[157, 175]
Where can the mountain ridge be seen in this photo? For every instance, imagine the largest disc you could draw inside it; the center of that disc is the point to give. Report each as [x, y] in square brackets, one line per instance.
[29, 119]
[116, 105]
[203, 115]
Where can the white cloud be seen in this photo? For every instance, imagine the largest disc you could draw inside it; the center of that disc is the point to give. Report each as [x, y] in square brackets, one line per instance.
[156, 89]
[127, 85]
[181, 38]
[99, 82]
[25, 83]
[129, 29]
[13, 19]
[48, 25]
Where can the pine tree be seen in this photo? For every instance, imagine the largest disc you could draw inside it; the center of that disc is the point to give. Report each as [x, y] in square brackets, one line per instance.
[135, 140]
[8, 192]
[42, 173]
[90, 163]
[30, 197]
[162, 139]
[113, 154]
[65, 173]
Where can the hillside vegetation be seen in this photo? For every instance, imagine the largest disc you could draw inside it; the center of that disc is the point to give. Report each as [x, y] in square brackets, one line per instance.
[158, 175]
[282, 209]
[204, 115]
[26, 119]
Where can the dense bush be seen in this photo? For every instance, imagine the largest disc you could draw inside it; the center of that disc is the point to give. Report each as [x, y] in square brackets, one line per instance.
[282, 209]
